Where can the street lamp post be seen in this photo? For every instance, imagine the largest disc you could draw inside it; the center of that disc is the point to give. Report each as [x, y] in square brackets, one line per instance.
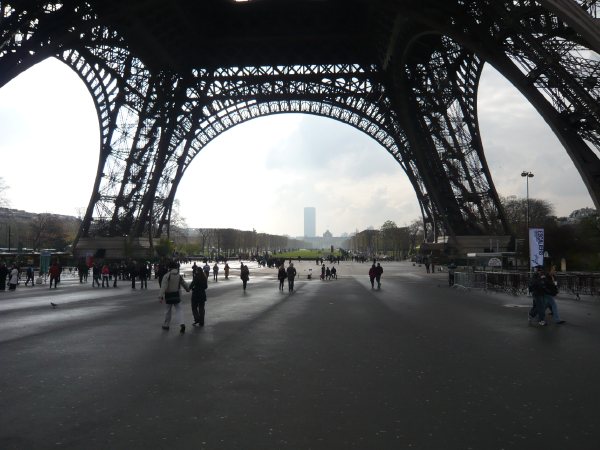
[527, 174]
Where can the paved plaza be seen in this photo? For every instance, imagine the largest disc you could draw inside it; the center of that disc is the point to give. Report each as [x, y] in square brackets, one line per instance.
[334, 365]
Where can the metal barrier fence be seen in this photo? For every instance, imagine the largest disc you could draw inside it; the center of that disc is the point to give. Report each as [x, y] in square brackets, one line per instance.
[516, 283]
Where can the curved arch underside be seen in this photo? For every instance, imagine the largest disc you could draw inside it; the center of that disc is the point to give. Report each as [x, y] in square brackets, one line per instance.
[405, 74]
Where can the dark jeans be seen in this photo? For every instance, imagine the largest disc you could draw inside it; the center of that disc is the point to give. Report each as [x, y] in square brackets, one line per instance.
[198, 309]
[55, 281]
[290, 284]
[539, 307]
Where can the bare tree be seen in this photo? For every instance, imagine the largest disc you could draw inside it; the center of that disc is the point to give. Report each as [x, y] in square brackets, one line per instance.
[416, 234]
[47, 231]
[540, 211]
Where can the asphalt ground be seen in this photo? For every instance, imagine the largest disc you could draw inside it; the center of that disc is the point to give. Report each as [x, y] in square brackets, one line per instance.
[334, 365]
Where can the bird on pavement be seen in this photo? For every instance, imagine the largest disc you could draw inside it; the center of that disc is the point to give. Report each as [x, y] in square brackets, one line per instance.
[54, 305]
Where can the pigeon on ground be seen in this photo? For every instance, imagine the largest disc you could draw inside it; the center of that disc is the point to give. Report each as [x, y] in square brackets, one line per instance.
[54, 305]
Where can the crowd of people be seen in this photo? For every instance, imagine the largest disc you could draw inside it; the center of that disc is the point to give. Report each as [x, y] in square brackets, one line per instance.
[542, 285]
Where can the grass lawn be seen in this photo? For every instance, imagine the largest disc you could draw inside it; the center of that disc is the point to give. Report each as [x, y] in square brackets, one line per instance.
[306, 254]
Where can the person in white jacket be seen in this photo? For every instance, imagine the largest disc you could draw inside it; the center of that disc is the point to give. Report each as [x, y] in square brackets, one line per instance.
[170, 295]
[14, 279]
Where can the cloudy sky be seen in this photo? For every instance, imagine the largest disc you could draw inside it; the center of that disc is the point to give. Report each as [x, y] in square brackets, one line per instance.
[261, 174]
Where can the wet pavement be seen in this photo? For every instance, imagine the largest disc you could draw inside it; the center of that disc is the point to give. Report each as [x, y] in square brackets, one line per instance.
[334, 365]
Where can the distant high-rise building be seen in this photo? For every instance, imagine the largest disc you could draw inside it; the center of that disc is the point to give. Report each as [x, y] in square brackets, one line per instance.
[310, 221]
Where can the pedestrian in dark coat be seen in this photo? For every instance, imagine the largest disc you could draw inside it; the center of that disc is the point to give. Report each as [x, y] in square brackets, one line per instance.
[3, 275]
[372, 275]
[291, 276]
[281, 276]
[244, 275]
[133, 270]
[114, 273]
[29, 276]
[451, 270]
[538, 290]
[144, 274]
[198, 287]
[95, 275]
[378, 273]
[161, 272]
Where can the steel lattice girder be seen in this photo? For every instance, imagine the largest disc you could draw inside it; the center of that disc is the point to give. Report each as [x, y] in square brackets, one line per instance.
[404, 73]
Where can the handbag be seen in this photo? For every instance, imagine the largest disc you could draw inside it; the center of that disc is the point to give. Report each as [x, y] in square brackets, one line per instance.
[172, 298]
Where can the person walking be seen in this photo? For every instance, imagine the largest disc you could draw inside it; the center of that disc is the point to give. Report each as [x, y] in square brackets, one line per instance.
[144, 274]
[3, 274]
[82, 269]
[105, 275]
[86, 272]
[281, 276]
[334, 272]
[132, 268]
[170, 295]
[378, 273]
[551, 290]
[161, 271]
[198, 287]
[226, 270]
[95, 275]
[114, 273]
[291, 276]
[244, 275]
[30, 274]
[323, 272]
[372, 275]
[215, 271]
[451, 269]
[14, 278]
[54, 274]
[538, 290]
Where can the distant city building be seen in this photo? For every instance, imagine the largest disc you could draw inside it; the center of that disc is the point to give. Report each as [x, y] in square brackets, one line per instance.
[327, 234]
[310, 221]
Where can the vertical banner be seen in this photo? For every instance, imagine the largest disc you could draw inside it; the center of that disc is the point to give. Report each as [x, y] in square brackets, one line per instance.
[44, 262]
[536, 247]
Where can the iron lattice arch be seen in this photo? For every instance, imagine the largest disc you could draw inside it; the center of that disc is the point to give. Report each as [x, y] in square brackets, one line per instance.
[166, 81]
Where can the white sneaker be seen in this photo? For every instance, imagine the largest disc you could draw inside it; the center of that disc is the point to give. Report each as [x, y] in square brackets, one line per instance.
[542, 323]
